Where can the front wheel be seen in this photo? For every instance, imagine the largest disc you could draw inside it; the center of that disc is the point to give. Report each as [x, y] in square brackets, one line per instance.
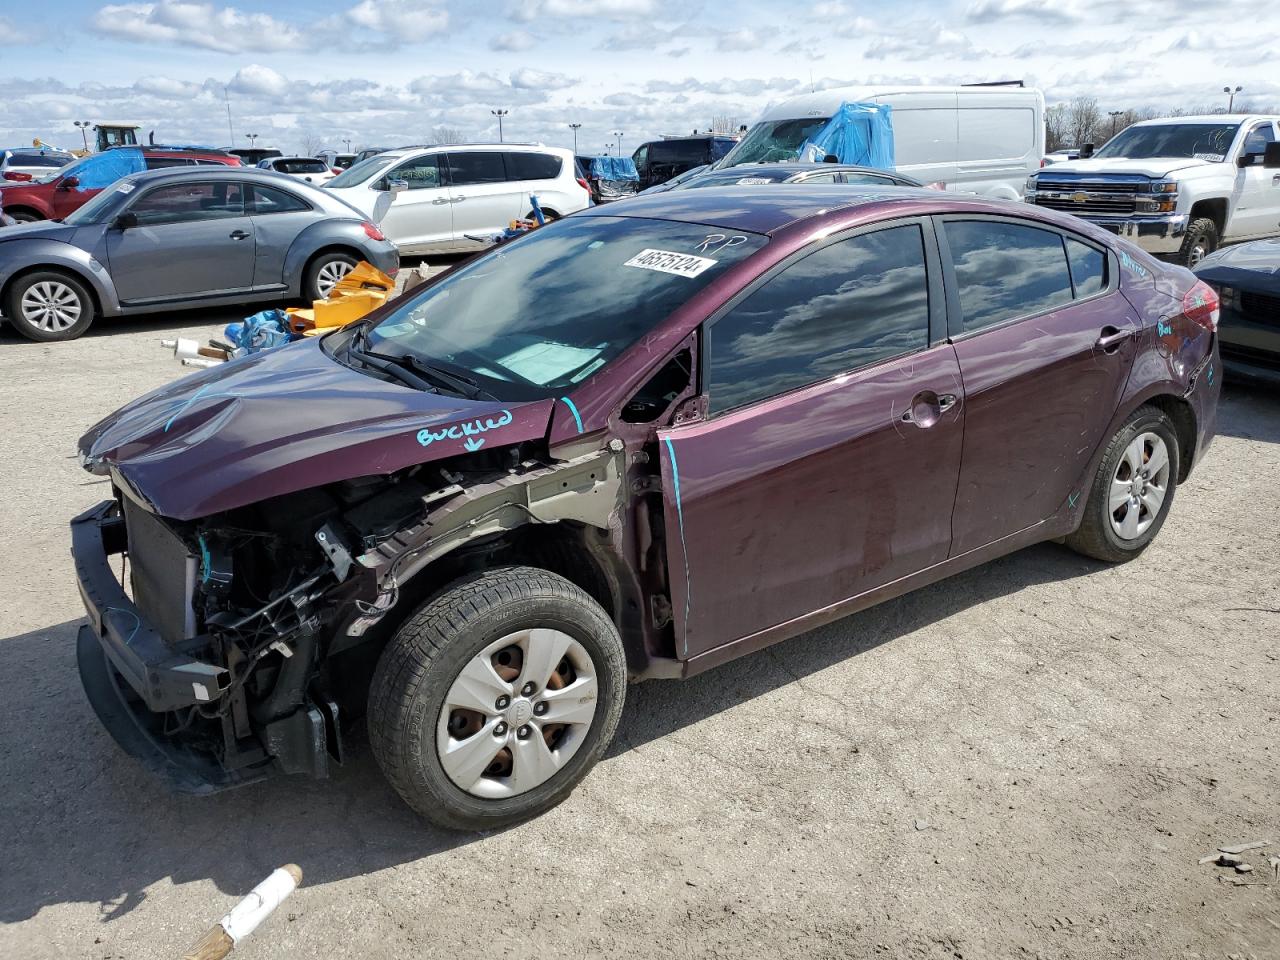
[496, 698]
[1132, 490]
[48, 305]
[1201, 240]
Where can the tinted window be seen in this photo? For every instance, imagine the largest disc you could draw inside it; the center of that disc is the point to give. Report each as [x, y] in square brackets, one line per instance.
[683, 152]
[868, 178]
[471, 168]
[187, 202]
[478, 317]
[1207, 141]
[1005, 270]
[420, 174]
[1258, 138]
[159, 163]
[1088, 268]
[847, 305]
[301, 166]
[820, 178]
[51, 160]
[271, 200]
[533, 166]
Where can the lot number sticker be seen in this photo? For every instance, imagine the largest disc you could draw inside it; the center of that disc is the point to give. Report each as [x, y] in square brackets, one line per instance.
[667, 261]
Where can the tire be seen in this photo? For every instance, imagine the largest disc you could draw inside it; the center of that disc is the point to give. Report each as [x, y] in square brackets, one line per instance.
[1121, 534]
[550, 215]
[48, 306]
[324, 271]
[1201, 240]
[416, 722]
[22, 216]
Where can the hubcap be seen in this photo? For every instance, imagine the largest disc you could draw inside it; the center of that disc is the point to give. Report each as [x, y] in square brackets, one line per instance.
[1139, 486]
[329, 275]
[1198, 253]
[51, 306]
[496, 740]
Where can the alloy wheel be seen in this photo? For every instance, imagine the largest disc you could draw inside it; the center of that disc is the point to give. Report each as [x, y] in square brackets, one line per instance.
[517, 713]
[329, 274]
[51, 306]
[1139, 486]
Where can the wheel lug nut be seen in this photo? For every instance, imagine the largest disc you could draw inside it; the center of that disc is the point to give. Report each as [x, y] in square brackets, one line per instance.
[540, 708]
[500, 730]
[503, 702]
[523, 733]
[528, 688]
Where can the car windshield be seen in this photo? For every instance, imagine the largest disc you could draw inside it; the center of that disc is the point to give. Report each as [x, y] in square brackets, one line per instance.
[1199, 141]
[97, 207]
[735, 177]
[358, 173]
[535, 318]
[773, 141]
[40, 159]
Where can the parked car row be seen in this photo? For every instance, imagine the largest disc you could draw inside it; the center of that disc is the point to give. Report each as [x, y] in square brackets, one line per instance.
[31, 163]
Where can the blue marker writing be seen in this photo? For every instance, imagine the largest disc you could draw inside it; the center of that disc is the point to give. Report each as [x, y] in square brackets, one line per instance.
[465, 431]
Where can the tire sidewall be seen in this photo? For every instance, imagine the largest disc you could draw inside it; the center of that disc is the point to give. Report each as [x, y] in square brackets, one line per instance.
[1203, 230]
[312, 283]
[1146, 421]
[13, 303]
[420, 759]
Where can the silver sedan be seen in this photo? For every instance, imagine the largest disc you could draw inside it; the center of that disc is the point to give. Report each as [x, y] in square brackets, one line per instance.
[180, 238]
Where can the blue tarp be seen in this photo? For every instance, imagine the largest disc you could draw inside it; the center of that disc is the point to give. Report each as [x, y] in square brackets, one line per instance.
[860, 133]
[614, 168]
[100, 170]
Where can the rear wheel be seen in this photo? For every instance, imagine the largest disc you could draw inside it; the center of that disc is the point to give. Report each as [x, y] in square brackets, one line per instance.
[49, 305]
[1132, 490]
[324, 272]
[24, 216]
[1201, 240]
[496, 698]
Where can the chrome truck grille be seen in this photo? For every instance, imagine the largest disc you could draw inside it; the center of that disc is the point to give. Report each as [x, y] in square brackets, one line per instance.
[1088, 197]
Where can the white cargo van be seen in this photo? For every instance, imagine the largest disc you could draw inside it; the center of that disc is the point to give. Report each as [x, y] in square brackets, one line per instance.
[979, 139]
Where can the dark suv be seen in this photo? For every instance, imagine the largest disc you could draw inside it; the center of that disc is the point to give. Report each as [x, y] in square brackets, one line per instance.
[659, 160]
[72, 186]
[621, 446]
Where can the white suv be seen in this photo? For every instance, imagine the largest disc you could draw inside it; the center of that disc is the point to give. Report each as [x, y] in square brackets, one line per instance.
[435, 199]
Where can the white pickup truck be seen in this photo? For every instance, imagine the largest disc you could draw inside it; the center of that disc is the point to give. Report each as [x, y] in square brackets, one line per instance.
[1179, 187]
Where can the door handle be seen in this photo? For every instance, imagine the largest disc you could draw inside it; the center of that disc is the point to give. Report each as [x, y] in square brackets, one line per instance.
[1111, 338]
[442, 200]
[1275, 181]
[927, 408]
[458, 199]
[239, 235]
[947, 401]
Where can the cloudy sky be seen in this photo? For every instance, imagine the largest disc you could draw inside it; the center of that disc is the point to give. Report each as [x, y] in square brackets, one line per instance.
[385, 72]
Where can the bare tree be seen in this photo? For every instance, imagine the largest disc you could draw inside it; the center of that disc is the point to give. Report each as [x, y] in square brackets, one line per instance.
[444, 134]
[312, 143]
[1084, 121]
[724, 124]
[1055, 128]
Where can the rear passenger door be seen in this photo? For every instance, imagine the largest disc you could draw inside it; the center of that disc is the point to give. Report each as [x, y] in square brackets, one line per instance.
[827, 466]
[1045, 342]
[484, 201]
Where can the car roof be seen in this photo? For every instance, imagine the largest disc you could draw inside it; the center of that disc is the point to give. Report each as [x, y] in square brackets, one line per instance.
[781, 170]
[206, 171]
[765, 208]
[1224, 118]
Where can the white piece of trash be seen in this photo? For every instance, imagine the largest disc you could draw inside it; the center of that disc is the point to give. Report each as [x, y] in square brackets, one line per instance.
[245, 916]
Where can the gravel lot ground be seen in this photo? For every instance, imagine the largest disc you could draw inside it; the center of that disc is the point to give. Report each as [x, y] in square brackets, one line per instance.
[1024, 761]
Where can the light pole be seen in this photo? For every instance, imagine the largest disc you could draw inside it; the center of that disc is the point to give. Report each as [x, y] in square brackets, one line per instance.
[226, 95]
[1231, 97]
[1115, 116]
[253, 140]
[618, 134]
[347, 142]
[608, 149]
[575, 127]
[500, 114]
[83, 126]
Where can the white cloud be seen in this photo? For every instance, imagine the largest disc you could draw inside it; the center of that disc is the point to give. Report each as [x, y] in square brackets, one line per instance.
[1043, 11]
[514, 41]
[171, 23]
[530, 10]
[924, 41]
[257, 80]
[400, 20]
[739, 40]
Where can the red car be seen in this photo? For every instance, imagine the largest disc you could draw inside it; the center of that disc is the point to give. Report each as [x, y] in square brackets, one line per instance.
[635, 443]
[68, 188]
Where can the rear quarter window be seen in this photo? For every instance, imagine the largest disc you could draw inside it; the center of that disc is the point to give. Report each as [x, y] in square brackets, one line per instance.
[1088, 268]
[1006, 270]
[533, 166]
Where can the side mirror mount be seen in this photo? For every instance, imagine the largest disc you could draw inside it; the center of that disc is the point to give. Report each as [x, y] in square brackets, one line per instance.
[1271, 156]
[396, 187]
[125, 220]
[1246, 159]
[68, 183]
[1086, 151]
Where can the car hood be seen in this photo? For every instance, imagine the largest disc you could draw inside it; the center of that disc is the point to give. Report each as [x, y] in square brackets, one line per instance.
[286, 420]
[39, 230]
[1156, 167]
[1251, 266]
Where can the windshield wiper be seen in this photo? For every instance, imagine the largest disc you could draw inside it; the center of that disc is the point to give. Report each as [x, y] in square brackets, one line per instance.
[407, 365]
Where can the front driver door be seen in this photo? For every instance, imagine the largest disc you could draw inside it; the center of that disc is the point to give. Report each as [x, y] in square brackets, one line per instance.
[827, 466]
[1257, 206]
[419, 219]
[1045, 341]
[190, 239]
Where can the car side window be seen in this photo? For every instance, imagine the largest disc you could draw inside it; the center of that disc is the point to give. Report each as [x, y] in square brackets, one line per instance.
[1088, 268]
[469, 169]
[1255, 142]
[821, 178]
[271, 200]
[160, 163]
[533, 166]
[848, 305]
[189, 202]
[421, 174]
[867, 178]
[1006, 270]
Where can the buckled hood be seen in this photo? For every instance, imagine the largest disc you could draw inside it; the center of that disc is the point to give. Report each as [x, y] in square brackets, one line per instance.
[282, 421]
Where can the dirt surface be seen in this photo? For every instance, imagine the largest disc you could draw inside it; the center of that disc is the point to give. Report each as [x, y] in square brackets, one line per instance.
[1024, 761]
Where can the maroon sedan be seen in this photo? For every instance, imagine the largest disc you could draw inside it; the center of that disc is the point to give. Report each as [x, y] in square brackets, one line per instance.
[635, 443]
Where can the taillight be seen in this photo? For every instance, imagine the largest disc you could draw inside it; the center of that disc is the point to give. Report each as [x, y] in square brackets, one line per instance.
[21, 177]
[372, 232]
[584, 185]
[335, 171]
[1202, 305]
